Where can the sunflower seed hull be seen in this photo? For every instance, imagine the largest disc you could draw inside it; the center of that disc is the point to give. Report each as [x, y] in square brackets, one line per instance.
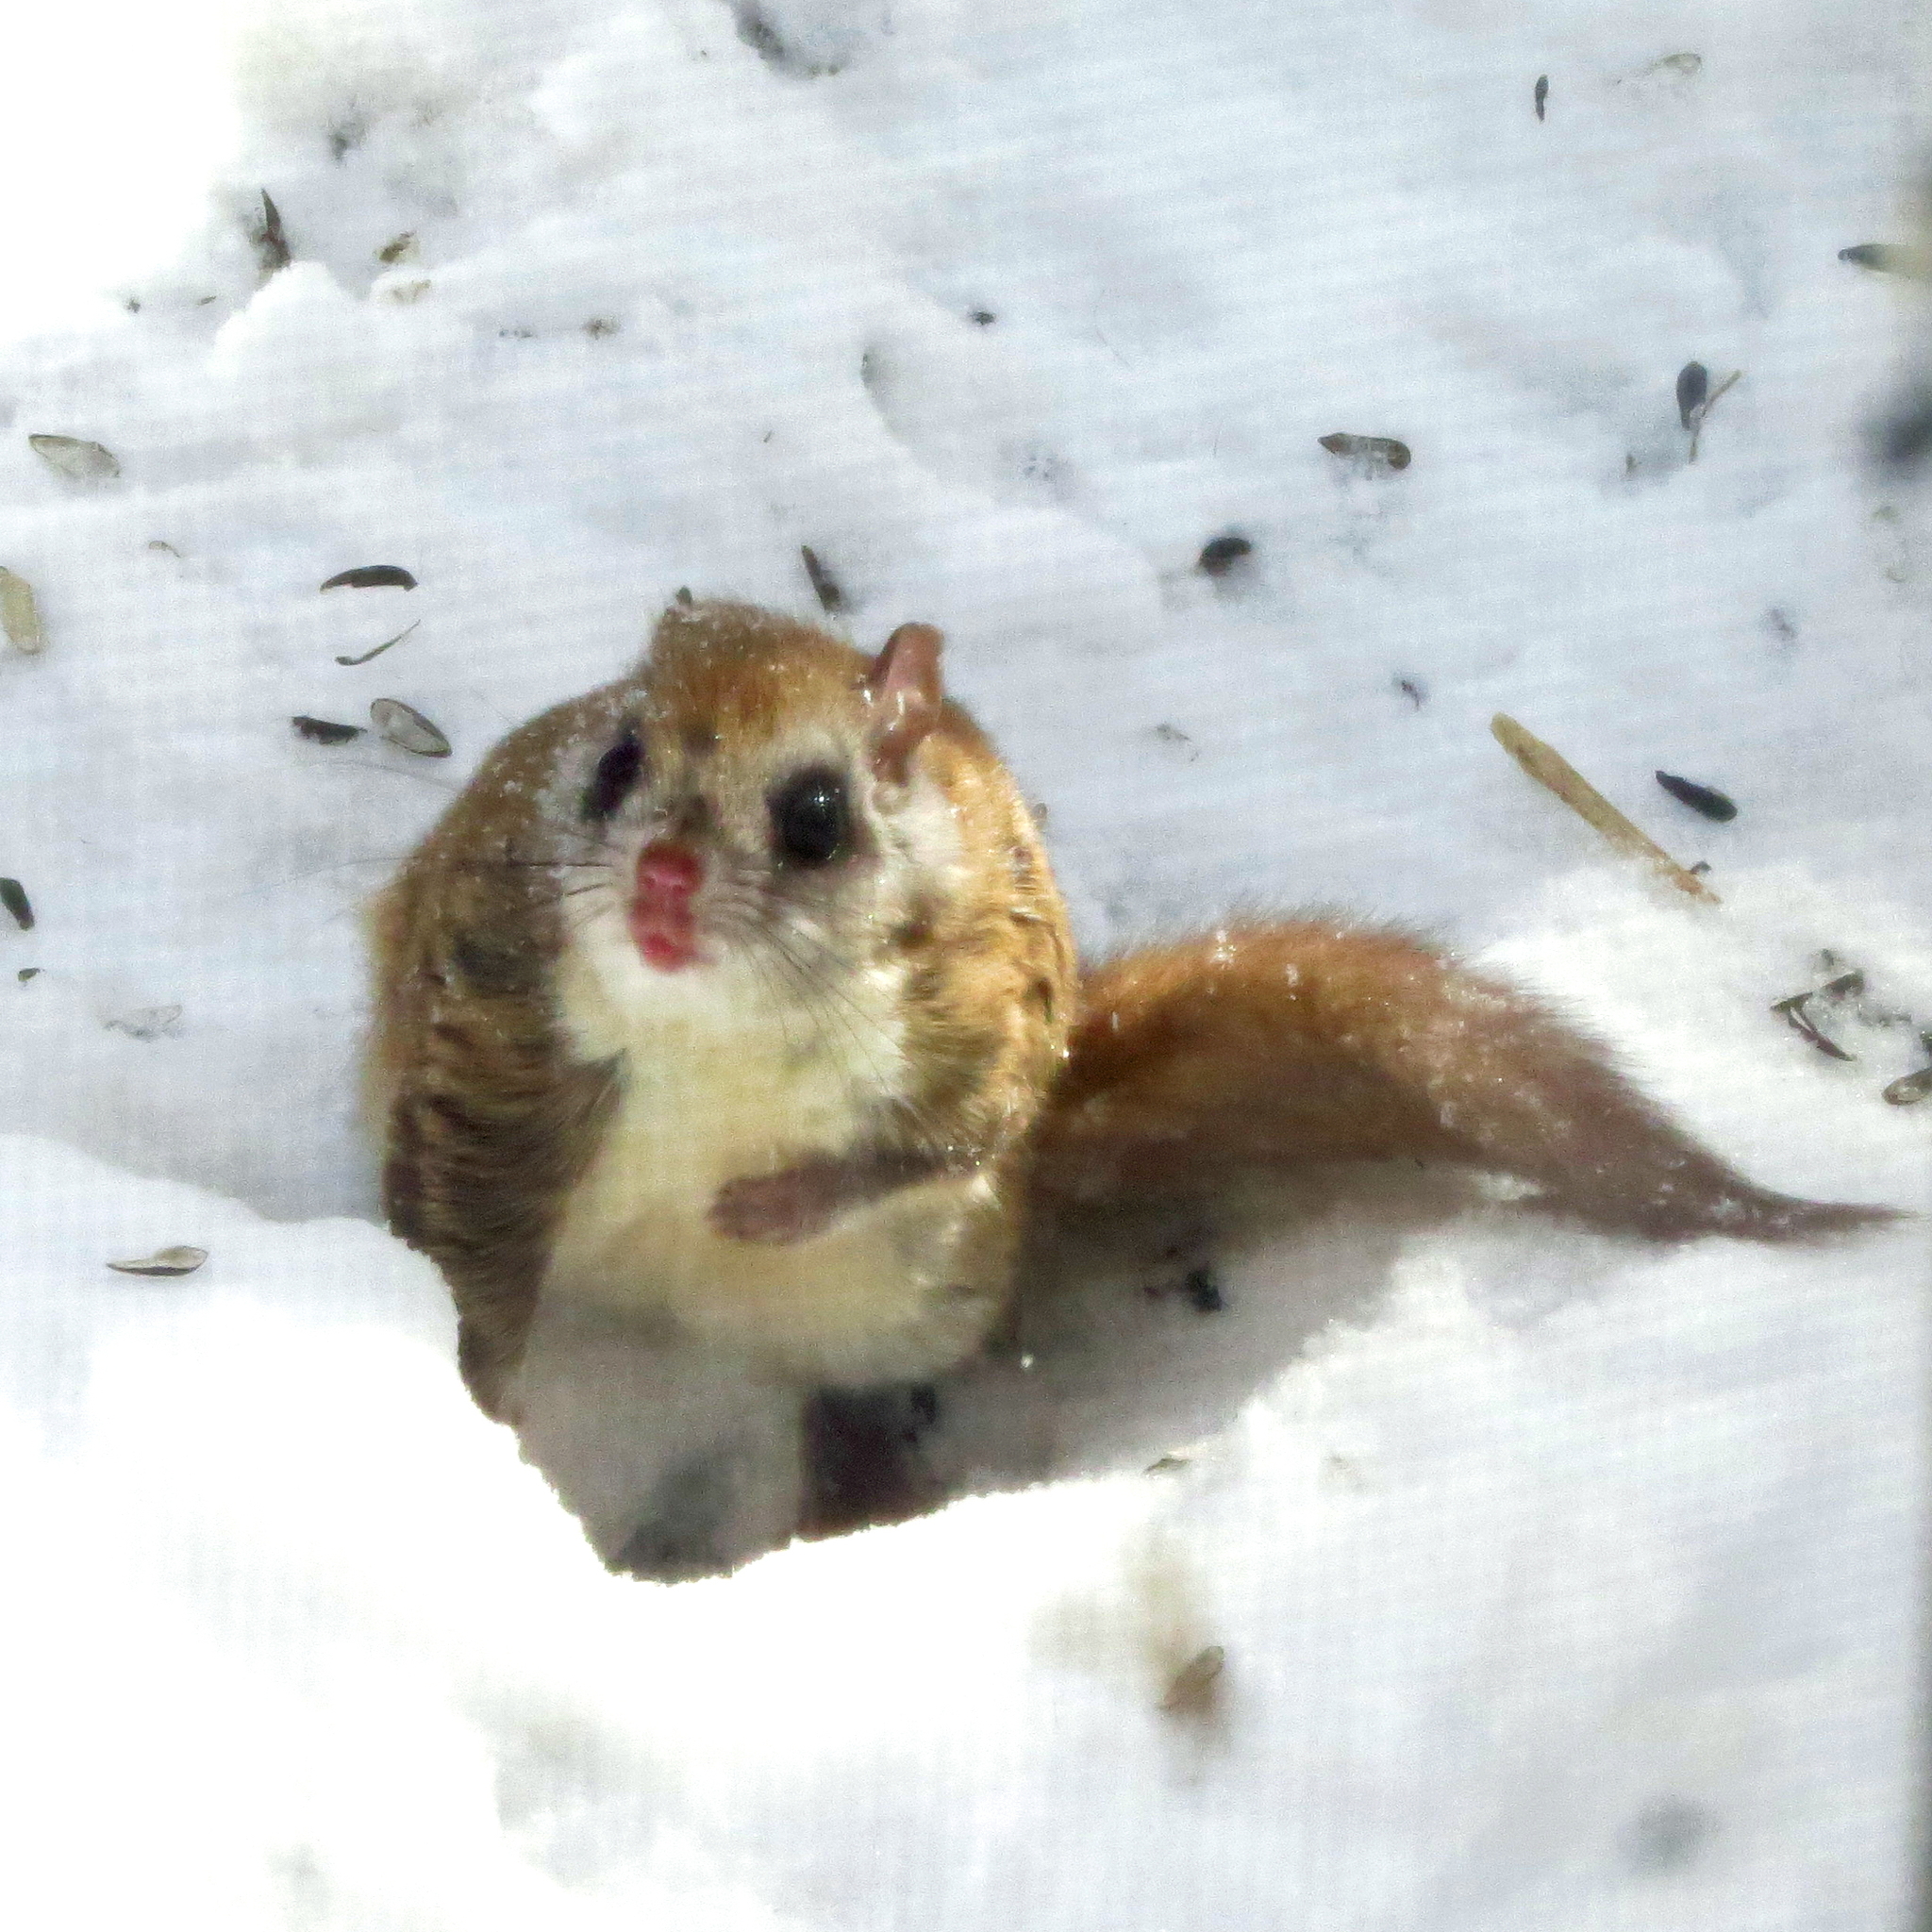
[825, 587]
[407, 729]
[372, 576]
[324, 731]
[1693, 385]
[148, 1022]
[20, 616]
[1373, 452]
[271, 243]
[1192, 1688]
[85, 462]
[1220, 555]
[169, 1261]
[1886, 257]
[1700, 798]
[1794, 1016]
[380, 648]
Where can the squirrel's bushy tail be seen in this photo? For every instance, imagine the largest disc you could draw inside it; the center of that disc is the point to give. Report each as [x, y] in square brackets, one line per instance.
[1278, 1045]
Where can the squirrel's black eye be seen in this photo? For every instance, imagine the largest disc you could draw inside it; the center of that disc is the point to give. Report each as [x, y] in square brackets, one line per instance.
[611, 783]
[811, 818]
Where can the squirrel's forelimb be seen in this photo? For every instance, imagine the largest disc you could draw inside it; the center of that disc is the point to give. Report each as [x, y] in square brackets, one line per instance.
[1272, 1046]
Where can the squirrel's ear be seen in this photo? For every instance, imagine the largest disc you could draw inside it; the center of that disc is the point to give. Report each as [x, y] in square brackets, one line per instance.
[907, 692]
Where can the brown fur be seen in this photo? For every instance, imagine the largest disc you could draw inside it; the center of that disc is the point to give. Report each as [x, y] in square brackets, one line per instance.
[1280, 1046]
[486, 1123]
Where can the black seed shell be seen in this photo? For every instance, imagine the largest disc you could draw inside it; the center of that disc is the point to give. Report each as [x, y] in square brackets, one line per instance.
[322, 731]
[1888, 258]
[1693, 386]
[825, 587]
[1221, 554]
[1700, 798]
[1373, 452]
[372, 576]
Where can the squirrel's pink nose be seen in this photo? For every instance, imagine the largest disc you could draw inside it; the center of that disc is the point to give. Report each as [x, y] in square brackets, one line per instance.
[661, 923]
[668, 872]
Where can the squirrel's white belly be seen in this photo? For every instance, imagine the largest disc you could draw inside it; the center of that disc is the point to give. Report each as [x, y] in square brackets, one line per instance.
[719, 1083]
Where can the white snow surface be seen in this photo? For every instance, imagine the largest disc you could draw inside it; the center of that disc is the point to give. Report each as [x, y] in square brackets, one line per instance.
[1559, 1581]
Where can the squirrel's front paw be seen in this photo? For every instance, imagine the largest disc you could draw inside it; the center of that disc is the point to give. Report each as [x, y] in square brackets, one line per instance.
[792, 1205]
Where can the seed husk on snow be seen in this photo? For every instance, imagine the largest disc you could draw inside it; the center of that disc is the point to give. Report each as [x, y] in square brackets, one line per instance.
[1700, 798]
[1220, 555]
[825, 587]
[1693, 385]
[20, 616]
[372, 576]
[1845, 997]
[146, 1022]
[1191, 1690]
[271, 243]
[75, 456]
[407, 729]
[1374, 453]
[1909, 1089]
[1888, 258]
[325, 730]
[13, 896]
[381, 647]
[1793, 1011]
[180, 1260]
[1699, 412]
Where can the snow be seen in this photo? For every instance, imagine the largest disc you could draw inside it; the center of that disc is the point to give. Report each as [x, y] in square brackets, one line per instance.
[1559, 1580]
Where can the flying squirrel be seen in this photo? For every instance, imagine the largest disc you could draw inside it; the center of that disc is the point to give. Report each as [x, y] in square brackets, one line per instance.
[732, 1009]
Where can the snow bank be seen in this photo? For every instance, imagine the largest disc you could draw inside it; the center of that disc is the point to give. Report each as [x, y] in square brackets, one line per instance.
[1553, 1580]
